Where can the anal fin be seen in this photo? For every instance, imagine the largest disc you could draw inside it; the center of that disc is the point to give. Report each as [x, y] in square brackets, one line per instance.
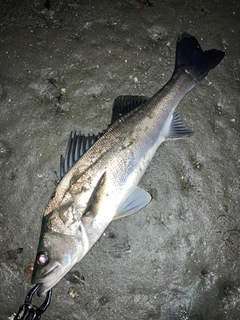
[177, 128]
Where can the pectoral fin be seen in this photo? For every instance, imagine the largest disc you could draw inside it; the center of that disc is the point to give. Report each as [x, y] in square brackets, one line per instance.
[95, 199]
[135, 199]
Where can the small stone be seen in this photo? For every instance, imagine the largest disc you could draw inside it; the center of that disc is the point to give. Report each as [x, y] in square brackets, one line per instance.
[5, 150]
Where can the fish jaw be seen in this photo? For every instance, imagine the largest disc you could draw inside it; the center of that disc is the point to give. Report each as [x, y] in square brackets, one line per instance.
[57, 254]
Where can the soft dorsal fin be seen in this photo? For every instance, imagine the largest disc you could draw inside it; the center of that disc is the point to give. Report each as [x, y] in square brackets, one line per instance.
[77, 145]
[125, 104]
[177, 128]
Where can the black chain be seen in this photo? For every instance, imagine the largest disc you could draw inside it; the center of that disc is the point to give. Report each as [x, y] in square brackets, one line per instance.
[28, 311]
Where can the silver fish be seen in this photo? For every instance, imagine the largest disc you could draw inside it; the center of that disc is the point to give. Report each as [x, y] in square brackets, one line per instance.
[98, 179]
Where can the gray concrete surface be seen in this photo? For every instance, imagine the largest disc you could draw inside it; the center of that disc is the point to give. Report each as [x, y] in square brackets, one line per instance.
[60, 69]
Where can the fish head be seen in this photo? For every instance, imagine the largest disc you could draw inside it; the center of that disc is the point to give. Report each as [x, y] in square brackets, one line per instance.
[61, 246]
[56, 255]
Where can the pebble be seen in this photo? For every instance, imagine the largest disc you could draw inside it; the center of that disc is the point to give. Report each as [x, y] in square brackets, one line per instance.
[4, 149]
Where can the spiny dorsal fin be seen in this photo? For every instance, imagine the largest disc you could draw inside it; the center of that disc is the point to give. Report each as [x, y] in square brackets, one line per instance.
[77, 145]
[125, 104]
[177, 128]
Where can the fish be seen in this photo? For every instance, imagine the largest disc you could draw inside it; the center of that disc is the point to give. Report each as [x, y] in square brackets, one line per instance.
[99, 175]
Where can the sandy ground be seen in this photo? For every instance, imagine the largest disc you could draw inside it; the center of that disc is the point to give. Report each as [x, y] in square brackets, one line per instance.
[62, 63]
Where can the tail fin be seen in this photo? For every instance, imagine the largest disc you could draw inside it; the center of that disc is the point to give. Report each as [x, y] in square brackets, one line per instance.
[191, 58]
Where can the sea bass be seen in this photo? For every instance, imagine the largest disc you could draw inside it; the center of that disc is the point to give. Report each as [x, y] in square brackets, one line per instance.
[99, 176]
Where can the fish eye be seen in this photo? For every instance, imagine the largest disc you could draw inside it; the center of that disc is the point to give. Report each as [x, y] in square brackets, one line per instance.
[42, 258]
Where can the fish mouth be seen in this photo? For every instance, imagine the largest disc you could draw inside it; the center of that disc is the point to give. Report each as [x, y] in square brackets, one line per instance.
[48, 279]
[42, 290]
[51, 270]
